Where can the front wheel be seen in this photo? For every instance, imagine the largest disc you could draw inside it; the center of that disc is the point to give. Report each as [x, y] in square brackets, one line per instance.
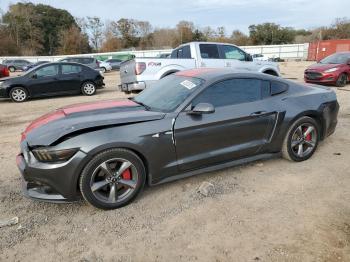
[112, 179]
[18, 94]
[301, 140]
[88, 89]
[342, 80]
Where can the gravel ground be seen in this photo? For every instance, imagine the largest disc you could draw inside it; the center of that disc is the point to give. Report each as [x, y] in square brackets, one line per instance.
[272, 210]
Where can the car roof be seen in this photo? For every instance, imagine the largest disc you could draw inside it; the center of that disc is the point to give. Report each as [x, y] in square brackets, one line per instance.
[209, 74]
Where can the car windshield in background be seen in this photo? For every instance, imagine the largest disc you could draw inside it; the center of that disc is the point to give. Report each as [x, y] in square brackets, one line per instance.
[168, 93]
[336, 59]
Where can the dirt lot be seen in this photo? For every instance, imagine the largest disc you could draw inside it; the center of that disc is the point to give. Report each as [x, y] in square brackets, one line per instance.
[273, 210]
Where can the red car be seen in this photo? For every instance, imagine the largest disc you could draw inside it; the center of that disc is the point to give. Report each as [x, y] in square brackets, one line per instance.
[334, 69]
[4, 72]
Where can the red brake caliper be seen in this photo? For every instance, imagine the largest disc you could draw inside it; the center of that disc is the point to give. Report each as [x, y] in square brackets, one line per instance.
[308, 137]
[126, 174]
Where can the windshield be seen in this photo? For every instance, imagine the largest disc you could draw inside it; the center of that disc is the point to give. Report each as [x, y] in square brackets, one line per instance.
[168, 93]
[336, 59]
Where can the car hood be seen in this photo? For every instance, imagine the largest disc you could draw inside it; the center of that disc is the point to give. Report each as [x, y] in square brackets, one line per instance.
[48, 128]
[322, 67]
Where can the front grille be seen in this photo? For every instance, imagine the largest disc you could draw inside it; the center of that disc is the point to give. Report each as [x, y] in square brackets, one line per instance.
[312, 75]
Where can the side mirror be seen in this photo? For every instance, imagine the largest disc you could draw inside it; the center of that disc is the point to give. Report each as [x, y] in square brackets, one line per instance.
[34, 76]
[202, 108]
[249, 57]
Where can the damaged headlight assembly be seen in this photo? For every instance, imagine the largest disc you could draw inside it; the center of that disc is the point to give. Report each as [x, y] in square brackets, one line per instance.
[48, 155]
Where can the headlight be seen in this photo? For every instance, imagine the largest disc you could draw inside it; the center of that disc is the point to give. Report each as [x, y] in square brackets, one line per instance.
[331, 70]
[51, 156]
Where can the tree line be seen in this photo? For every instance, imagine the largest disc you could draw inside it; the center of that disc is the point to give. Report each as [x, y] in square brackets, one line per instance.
[30, 29]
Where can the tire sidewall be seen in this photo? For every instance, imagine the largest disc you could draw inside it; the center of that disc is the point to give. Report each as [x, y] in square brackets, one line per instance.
[339, 83]
[87, 172]
[83, 91]
[296, 124]
[16, 88]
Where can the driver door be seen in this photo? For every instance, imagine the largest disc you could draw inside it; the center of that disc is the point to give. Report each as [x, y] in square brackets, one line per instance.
[240, 125]
[44, 81]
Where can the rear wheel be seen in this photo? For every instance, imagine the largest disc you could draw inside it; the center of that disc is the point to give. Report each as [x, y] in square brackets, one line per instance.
[88, 88]
[112, 179]
[342, 80]
[301, 140]
[18, 94]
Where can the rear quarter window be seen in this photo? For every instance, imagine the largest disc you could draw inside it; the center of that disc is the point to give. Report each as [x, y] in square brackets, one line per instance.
[278, 88]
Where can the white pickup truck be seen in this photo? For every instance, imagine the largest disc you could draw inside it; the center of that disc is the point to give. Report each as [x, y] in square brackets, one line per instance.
[139, 73]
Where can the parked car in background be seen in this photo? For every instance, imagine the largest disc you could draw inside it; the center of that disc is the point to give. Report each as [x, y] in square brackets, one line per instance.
[4, 72]
[260, 57]
[28, 67]
[52, 79]
[188, 123]
[334, 69]
[139, 73]
[88, 61]
[164, 55]
[115, 63]
[16, 64]
[105, 66]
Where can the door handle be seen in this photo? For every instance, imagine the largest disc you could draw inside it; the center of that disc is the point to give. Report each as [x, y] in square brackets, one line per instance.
[258, 113]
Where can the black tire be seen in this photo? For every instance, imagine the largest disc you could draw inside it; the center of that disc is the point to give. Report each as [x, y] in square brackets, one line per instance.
[342, 80]
[291, 138]
[88, 88]
[12, 69]
[127, 92]
[103, 69]
[18, 94]
[87, 179]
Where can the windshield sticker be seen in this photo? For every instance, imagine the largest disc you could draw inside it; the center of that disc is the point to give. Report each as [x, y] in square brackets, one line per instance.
[188, 84]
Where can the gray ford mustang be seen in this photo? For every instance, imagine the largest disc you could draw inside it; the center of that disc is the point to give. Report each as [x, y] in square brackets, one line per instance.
[192, 122]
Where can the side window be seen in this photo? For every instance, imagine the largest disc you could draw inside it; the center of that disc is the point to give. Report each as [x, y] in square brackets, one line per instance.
[231, 92]
[184, 52]
[209, 51]
[174, 53]
[278, 88]
[71, 69]
[232, 52]
[46, 71]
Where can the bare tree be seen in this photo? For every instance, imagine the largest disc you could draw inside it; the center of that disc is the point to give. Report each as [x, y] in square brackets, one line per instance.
[95, 27]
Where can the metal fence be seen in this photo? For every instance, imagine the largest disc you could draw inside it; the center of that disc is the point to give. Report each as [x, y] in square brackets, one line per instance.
[293, 51]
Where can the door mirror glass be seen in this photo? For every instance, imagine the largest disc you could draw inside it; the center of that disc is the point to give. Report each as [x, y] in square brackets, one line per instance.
[203, 108]
[249, 57]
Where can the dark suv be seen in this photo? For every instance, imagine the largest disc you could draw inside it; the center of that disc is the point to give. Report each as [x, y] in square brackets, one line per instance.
[88, 61]
[16, 64]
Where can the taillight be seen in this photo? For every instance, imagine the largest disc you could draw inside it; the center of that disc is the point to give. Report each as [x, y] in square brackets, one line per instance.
[139, 68]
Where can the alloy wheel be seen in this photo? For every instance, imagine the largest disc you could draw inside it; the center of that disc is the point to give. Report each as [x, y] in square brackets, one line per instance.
[304, 140]
[89, 88]
[19, 95]
[114, 180]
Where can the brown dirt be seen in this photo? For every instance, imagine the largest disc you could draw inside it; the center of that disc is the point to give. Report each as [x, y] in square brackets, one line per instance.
[273, 210]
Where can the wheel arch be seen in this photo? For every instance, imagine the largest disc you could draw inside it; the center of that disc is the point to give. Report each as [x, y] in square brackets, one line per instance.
[14, 86]
[105, 147]
[317, 116]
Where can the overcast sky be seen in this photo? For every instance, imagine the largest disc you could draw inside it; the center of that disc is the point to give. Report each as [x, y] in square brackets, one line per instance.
[233, 14]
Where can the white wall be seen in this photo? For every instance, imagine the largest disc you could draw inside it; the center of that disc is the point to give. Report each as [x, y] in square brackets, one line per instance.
[293, 51]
